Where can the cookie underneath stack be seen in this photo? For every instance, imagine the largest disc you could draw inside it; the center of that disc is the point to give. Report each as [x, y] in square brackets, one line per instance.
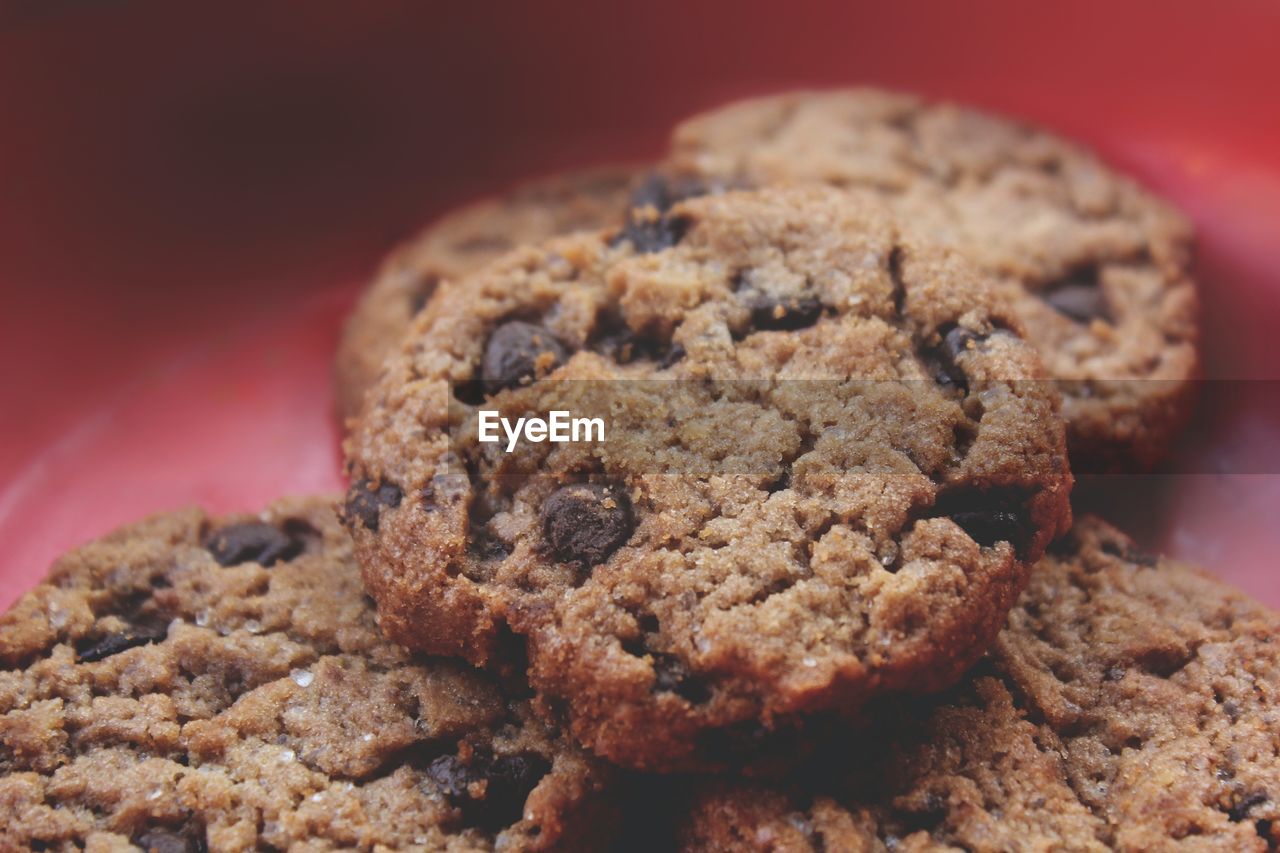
[193, 683]
[1130, 703]
[852, 346]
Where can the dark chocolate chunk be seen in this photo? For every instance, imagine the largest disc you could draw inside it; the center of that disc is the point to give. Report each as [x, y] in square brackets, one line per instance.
[956, 341]
[490, 791]
[1079, 296]
[89, 651]
[469, 391]
[1240, 810]
[990, 525]
[648, 226]
[365, 502]
[660, 192]
[624, 346]
[621, 345]
[649, 231]
[252, 541]
[670, 675]
[987, 516]
[585, 523]
[171, 841]
[943, 360]
[517, 352]
[673, 354]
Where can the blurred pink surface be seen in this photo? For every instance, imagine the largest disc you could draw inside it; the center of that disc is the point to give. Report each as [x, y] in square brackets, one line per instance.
[189, 200]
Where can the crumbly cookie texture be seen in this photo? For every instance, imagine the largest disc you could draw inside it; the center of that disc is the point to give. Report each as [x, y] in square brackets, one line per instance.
[191, 683]
[830, 458]
[1131, 703]
[458, 244]
[1097, 268]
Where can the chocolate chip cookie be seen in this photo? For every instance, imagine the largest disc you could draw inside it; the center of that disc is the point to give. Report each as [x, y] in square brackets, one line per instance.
[193, 683]
[1097, 268]
[458, 244]
[828, 458]
[1131, 703]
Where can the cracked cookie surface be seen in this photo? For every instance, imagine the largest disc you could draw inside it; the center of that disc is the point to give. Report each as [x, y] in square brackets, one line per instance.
[191, 683]
[1096, 267]
[830, 458]
[457, 244]
[1131, 703]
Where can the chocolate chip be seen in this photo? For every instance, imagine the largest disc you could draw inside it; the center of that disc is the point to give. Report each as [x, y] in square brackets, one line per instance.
[654, 191]
[1079, 296]
[518, 351]
[1240, 810]
[989, 526]
[988, 516]
[648, 226]
[624, 346]
[365, 502]
[170, 841]
[253, 541]
[585, 523]
[469, 391]
[620, 345]
[670, 675]
[785, 313]
[945, 374]
[114, 644]
[490, 791]
[943, 360]
[672, 355]
[452, 776]
[660, 192]
[649, 231]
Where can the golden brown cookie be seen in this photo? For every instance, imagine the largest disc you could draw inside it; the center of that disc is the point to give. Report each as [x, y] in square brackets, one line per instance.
[191, 683]
[829, 458]
[1096, 267]
[1131, 703]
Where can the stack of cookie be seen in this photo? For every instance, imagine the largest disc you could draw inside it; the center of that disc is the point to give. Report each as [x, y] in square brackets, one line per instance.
[815, 585]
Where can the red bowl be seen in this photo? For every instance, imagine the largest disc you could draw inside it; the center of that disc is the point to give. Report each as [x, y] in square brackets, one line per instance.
[191, 198]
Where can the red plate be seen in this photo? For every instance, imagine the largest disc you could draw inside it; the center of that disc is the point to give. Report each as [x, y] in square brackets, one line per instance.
[188, 199]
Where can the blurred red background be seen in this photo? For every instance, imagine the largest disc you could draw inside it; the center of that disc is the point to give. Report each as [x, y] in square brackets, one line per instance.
[191, 196]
